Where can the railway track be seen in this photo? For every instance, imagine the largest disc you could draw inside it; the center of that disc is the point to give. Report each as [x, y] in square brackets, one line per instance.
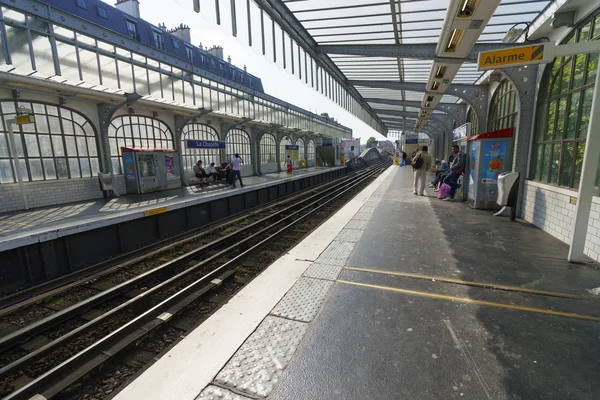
[51, 354]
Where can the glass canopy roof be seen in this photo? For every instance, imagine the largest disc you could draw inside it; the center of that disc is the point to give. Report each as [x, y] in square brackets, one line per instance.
[290, 33]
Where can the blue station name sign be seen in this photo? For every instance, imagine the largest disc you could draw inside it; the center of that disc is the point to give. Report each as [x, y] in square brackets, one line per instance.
[205, 144]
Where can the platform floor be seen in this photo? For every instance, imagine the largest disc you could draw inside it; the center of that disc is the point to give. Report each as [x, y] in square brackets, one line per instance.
[400, 297]
[23, 223]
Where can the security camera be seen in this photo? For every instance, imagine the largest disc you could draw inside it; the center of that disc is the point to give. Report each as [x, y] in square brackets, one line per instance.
[467, 8]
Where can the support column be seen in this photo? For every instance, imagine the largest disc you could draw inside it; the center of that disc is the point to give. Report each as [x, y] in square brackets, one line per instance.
[587, 181]
[524, 81]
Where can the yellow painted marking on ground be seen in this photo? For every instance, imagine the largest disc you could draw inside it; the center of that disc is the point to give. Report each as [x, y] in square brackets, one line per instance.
[479, 284]
[14, 223]
[473, 301]
[155, 211]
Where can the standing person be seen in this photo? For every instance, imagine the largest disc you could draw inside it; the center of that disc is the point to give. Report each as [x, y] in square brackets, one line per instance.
[456, 170]
[289, 164]
[236, 162]
[414, 154]
[403, 164]
[421, 164]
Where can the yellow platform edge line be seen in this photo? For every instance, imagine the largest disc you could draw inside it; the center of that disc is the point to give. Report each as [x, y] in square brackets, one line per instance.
[473, 301]
[479, 284]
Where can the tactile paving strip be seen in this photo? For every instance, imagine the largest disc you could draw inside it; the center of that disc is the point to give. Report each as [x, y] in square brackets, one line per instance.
[336, 253]
[257, 366]
[349, 235]
[304, 299]
[356, 224]
[323, 271]
[217, 393]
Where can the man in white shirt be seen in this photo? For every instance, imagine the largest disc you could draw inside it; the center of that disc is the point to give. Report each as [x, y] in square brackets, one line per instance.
[289, 164]
[212, 171]
[236, 162]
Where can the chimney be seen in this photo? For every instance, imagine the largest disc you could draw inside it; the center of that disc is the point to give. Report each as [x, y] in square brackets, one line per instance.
[229, 59]
[131, 7]
[183, 33]
[216, 51]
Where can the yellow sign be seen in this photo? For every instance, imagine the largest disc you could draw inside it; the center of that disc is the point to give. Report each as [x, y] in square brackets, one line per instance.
[396, 161]
[515, 56]
[155, 211]
[342, 160]
[24, 119]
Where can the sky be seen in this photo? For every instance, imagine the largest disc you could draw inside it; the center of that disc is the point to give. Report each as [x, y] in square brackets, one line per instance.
[276, 81]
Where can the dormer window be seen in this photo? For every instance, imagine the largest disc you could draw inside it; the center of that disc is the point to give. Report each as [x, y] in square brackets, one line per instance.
[81, 4]
[132, 30]
[190, 53]
[175, 44]
[101, 12]
[158, 39]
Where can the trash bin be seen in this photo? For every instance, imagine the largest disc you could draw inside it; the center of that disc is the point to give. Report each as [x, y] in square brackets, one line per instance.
[106, 184]
[508, 187]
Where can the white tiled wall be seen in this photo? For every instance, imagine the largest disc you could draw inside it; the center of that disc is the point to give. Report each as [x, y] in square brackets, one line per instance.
[549, 208]
[48, 193]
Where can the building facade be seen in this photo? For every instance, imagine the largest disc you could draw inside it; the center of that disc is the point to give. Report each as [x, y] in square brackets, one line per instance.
[98, 78]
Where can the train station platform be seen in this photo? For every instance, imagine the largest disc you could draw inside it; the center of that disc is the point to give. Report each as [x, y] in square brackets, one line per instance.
[399, 297]
[42, 244]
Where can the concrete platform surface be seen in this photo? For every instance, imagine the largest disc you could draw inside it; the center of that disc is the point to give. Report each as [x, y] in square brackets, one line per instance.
[26, 227]
[399, 297]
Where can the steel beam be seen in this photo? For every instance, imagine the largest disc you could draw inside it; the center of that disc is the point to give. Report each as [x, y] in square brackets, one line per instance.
[279, 13]
[420, 51]
[456, 111]
[475, 95]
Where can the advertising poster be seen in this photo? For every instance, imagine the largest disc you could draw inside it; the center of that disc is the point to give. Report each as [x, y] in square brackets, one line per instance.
[128, 166]
[473, 169]
[170, 166]
[494, 159]
[292, 151]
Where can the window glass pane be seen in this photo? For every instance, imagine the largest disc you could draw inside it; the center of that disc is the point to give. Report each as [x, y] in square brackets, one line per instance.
[555, 163]
[45, 145]
[567, 164]
[551, 119]
[6, 175]
[41, 124]
[32, 146]
[562, 114]
[573, 116]
[57, 142]
[35, 165]
[578, 164]
[49, 168]
[85, 167]
[71, 148]
[566, 76]
[18, 47]
[61, 168]
[588, 95]
[580, 63]
[42, 52]
[546, 164]
[95, 166]
[3, 145]
[125, 76]
[89, 67]
[596, 31]
[584, 34]
[74, 166]
[82, 146]
[592, 68]
[67, 59]
[538, 161]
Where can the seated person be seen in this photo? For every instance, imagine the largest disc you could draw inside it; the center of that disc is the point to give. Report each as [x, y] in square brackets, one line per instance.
[441, 171]
[199, 170]
[212, 171]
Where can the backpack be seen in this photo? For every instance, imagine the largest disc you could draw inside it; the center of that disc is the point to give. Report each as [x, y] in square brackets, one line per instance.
[417, 163]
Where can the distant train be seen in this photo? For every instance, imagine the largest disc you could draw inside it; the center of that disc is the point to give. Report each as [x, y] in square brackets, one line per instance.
[116, 20]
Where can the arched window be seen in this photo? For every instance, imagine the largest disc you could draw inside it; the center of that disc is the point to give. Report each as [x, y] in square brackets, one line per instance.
[61, 144]
[134, 131]
[285, 141]
[300, 144]
[472, 118]
[310, 151]
[504, 109]
[198, 132]
[565, 102]
[268, 149]
[238, 141]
